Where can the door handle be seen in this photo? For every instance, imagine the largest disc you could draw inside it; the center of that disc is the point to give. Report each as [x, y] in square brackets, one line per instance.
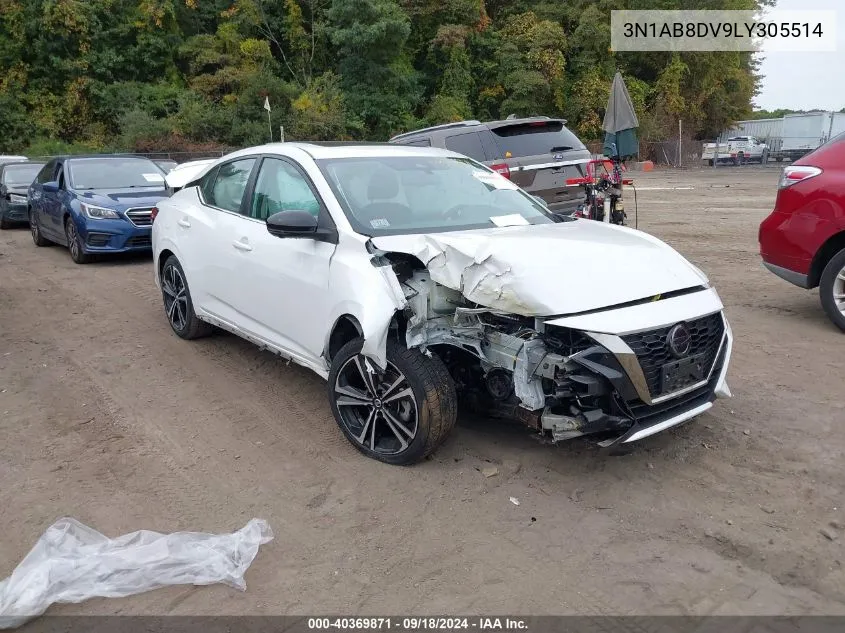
[241, 246]
[184, 222]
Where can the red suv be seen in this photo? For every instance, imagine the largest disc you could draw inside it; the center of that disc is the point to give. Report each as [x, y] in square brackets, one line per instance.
[803, 240]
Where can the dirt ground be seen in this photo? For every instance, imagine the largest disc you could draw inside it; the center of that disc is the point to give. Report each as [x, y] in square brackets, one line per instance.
[109, 418]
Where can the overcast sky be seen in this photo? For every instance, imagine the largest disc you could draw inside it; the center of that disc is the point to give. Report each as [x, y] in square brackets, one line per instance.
[802, 81]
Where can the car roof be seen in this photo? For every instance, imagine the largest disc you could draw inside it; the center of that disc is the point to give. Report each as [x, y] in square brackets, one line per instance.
[101, 156]
[345, 150]
[23, 162]
[492, 125]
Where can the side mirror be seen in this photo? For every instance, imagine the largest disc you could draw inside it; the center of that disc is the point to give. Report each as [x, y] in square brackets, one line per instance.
[50, 187]
[294, 223]
[541, 201]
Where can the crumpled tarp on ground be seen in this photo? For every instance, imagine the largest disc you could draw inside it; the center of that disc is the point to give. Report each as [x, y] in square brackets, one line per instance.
[72, 562]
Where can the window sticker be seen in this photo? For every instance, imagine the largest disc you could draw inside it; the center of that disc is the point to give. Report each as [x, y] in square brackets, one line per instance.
[379, 223]
[514, 219]
[153, 177]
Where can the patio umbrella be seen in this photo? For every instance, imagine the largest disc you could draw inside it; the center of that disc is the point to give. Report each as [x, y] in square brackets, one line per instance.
[620, 122]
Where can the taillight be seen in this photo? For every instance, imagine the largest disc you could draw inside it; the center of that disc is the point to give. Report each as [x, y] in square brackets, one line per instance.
[502, 169]
[153, 214]
[584, 180]
[795, 174]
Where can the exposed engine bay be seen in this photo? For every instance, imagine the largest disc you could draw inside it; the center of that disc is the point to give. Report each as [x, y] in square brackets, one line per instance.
[558, 381]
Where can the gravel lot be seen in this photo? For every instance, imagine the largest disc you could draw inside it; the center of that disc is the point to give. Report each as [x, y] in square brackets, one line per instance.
[109, 418]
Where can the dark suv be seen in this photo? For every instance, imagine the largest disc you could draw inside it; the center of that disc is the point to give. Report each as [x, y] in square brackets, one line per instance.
[539, 154]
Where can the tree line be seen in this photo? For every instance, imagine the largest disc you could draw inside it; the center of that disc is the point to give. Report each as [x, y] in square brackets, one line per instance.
[175, 75]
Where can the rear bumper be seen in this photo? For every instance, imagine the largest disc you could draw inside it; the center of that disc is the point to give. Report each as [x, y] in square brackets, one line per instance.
[566, 207]
[789, 241]
[799, 279]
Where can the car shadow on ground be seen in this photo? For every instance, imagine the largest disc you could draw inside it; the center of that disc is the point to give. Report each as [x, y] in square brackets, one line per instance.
[122, 259]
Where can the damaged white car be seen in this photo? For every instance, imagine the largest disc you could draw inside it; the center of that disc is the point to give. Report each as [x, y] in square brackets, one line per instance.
[415, 279]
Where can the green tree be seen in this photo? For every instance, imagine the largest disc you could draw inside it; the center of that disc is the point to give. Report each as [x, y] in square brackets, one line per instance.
[377, 77]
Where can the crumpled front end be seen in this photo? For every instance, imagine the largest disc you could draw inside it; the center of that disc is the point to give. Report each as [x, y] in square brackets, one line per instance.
[623, 373]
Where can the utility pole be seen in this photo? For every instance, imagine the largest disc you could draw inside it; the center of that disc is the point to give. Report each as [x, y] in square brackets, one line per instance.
[680, 134]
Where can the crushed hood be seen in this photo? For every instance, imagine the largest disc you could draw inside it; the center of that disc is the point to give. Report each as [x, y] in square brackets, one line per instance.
[182, 174]
[549, 269]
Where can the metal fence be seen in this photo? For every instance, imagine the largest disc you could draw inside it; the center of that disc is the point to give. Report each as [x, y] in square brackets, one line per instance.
[668, 153]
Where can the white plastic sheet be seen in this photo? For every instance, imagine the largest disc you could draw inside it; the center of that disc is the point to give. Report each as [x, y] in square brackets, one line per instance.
[72, 562]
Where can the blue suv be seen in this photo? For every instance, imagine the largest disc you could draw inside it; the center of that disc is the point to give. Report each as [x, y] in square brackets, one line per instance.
[95, 204]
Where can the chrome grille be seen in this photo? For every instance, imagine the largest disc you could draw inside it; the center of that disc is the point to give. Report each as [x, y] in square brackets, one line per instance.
[140, 216]
[653, 352]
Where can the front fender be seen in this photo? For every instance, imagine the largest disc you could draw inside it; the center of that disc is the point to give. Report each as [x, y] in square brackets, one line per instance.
[370, 293]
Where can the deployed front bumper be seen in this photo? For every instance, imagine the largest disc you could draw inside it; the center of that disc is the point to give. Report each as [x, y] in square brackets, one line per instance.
[652, 410]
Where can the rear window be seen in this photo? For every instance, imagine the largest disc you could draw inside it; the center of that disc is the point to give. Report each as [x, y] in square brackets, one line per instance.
[419, 142]
[468, 144]
[532, 139]
[839, 138]
[832, 150]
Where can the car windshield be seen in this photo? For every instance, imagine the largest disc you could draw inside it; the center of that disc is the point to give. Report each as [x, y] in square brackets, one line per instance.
[389, 195]
[21, 174]
[114, 173]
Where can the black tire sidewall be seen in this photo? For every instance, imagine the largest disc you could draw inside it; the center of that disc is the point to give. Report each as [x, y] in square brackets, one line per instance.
[191, 317]
[33, 221]
[82, 257]
[399, 357]
[831, 270]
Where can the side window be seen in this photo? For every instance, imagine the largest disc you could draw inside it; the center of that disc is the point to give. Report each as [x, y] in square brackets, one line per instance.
[467, 144]
[229, 186]
[281, 187]
[60, 177]
[207, 184]
[46, 173]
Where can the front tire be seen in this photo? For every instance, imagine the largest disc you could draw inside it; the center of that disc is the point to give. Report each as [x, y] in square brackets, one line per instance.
[832, 289]
[399, 416]
[178, 305]
[74, 243]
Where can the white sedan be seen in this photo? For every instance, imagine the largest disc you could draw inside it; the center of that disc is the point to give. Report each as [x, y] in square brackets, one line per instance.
[413, 279]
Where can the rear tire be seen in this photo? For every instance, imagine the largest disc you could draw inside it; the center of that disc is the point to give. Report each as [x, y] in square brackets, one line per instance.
[178, 306]
[377, 418]
[74, 243]
[832, 289]
[4, 224]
